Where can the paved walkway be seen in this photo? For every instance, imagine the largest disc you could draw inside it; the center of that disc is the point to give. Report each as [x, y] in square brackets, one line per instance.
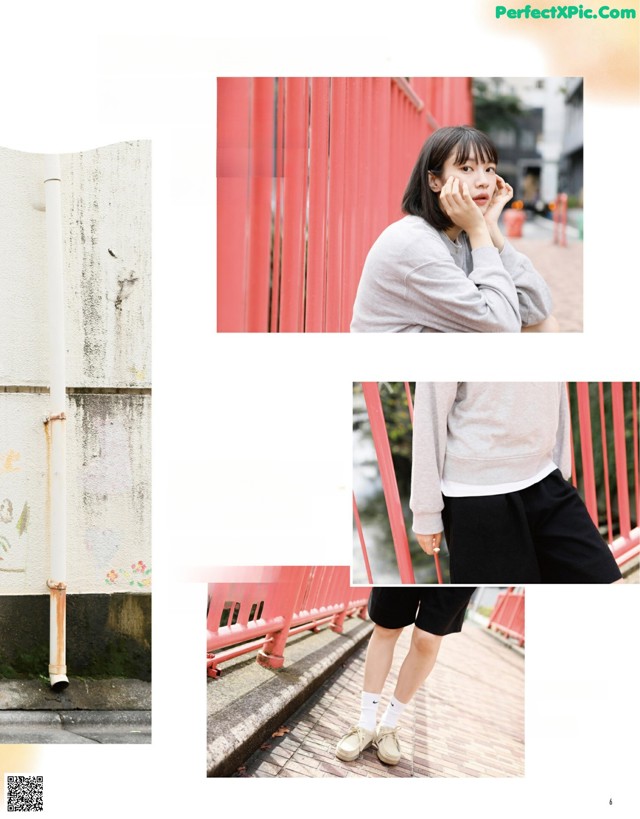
[561, 268]
[466, 721]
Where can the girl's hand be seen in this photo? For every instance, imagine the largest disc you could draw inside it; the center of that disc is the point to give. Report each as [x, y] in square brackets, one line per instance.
[456, 202]
[501, 195]
[430, 543]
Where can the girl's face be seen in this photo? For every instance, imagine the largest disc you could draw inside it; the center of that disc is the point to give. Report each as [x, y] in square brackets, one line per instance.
[480, 177]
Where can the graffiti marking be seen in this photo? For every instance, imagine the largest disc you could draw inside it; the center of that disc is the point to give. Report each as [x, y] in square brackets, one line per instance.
[9, 459]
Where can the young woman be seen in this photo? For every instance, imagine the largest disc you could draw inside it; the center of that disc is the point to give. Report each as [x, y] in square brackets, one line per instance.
[435, 612]
[446, 267]
[490, 467]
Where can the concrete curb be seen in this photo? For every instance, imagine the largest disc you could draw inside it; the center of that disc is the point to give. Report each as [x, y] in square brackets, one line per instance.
[234, 733]
[75, 727]
[74, 718]
[81, 695]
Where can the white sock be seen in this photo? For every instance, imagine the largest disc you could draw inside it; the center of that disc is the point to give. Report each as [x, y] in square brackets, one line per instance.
[393, 713]
[368, 710]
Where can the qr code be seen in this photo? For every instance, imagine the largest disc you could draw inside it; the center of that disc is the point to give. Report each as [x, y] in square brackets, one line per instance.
[24, 793]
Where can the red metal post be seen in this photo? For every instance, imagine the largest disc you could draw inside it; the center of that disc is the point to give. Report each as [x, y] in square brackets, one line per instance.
[407, 390]
[318, 188]
[588, 470]
[605, 461]
[276, 267]
[296, 132]
[337, 142]
[351, 213]
[233, 201]
[620, 447]
[636, 453]
[365, 556]
[389, 483]
[261, 190]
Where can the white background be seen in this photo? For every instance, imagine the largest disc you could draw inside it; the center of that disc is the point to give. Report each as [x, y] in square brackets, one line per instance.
[238, 478]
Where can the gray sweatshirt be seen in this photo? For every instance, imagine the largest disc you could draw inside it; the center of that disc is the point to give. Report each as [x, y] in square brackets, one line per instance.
[416, 280]
[483, 433]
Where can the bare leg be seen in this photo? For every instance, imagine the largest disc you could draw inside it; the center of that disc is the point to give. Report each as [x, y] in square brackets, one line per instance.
[549, 325]
[376, 669]
[417, 664]
[379, 657]
[414, 670]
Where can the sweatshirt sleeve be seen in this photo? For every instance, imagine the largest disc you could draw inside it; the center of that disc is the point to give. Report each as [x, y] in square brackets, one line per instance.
[562, 450]
[445, 299]
[433, 402]
[534, 296]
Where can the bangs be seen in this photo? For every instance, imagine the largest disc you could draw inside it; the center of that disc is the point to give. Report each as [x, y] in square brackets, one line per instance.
[475, 143]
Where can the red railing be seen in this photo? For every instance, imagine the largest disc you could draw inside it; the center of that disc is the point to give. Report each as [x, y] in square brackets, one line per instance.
[310, 171]
[260, 608]
[624, 538]
[507, 616]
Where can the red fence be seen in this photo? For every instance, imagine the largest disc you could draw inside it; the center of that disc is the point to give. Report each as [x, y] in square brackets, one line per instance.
[507, 616]
[259, 608]
[310, 171]
[618, 492]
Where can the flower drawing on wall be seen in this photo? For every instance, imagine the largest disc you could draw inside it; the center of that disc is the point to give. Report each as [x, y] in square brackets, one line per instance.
[137, 575]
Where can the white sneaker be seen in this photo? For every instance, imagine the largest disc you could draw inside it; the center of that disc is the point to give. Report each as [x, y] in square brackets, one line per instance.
[353, 743]
[387, 745]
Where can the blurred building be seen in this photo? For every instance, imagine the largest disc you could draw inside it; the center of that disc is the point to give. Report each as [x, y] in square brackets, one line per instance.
[571, 164]
[540, 148]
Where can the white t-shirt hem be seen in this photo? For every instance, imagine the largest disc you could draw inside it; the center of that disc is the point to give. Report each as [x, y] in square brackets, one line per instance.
[455, 489]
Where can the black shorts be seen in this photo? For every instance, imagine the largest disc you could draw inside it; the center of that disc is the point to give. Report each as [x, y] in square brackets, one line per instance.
[541, 534]
[433, 609]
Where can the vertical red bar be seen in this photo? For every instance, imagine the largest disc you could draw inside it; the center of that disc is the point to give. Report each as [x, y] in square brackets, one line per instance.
[605, 461]
[337, 145]
[318, 180]
[389, 483]
[233, 200]
[586, 447]
[381, 137]
[363, 546]
[620, 446]
[277, 218]
[407, 390]
[437, 100]
[352, 213]
[285, 594]
[636, 454]
[365, 206]
[261, 177]
[394, 144]
[296, 134]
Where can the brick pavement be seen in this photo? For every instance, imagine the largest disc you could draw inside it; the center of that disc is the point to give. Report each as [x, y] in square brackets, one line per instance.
[467, 720]
[561, 268]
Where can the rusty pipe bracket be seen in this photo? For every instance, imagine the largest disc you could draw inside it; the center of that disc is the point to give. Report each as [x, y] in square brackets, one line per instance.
[59, 417]
[58, 586]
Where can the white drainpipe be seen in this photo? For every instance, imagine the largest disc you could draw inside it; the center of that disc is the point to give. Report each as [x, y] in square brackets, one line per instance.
[56, 430]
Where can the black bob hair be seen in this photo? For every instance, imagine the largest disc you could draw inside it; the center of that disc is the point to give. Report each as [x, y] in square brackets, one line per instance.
[419, 199]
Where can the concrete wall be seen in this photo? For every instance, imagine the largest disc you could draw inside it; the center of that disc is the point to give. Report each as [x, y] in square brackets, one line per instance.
[107, 251]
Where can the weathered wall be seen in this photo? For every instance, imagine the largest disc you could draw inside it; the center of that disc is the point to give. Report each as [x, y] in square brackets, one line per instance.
[107, 246]
[107, 253]
[119, 625]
